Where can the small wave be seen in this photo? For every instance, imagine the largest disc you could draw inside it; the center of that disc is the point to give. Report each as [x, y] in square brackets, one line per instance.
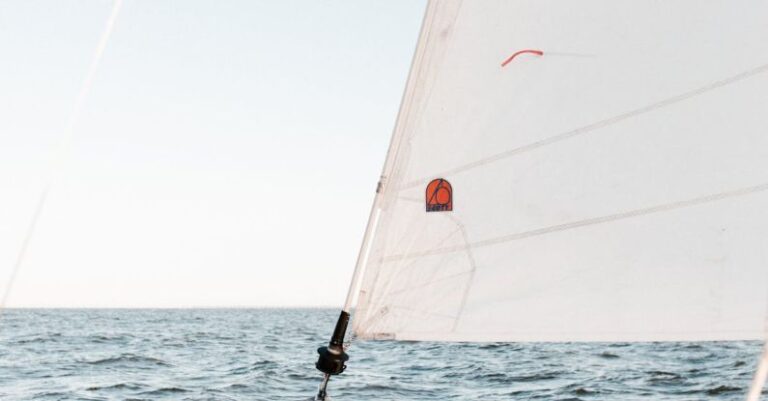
[130, 359]
[236, 386]
[104, 338]
[39, 339]
[142, 362]
[722, 389]
[584, 391]
[494, 377]
[661, 377]
[260, 366]
[377, 387]
[661, 373]
[494, 346]
[535, 377]
[117, 386]
[165, 391]
[52, 394]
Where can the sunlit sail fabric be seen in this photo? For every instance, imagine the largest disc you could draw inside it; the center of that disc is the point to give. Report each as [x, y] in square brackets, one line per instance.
[613, 188]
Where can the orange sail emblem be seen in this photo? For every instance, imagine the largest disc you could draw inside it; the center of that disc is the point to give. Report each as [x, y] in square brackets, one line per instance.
[439, 196]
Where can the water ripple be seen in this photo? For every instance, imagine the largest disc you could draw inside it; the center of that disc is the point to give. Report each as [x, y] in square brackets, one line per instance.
[269, 354]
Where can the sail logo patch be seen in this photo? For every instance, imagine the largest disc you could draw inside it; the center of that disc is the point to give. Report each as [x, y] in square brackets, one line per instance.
[439, 196]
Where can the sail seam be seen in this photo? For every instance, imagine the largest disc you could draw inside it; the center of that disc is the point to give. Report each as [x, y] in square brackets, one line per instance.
[587, 222]
[437, 281]
[473, 268]
[591, 127]
[386, 282]
[528, 337]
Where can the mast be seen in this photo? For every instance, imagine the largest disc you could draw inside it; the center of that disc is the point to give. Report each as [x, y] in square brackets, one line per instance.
[332, 358]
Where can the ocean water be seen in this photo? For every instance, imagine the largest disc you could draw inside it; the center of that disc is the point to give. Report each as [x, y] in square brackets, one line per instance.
[269, 354]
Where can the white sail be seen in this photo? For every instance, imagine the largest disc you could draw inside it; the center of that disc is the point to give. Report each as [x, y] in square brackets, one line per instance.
[608, 184]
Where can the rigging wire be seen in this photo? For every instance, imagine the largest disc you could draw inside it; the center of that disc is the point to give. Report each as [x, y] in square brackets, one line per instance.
[60, 150]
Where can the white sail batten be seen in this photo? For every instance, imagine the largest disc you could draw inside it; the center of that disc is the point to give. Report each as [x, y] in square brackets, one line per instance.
[608, 183]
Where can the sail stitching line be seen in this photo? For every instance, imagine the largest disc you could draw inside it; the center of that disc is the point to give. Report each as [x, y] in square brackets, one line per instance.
[594, 126]
[372, 305]
[431, 283]
[410, 199]
[588, 222]
[429, 87]
[473, 268]
[384, 283]
[406, 265]
[432, 280]
[421, 312]
[499, 335]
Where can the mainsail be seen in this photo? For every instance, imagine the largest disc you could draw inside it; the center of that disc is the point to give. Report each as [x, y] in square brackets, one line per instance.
[605, 164]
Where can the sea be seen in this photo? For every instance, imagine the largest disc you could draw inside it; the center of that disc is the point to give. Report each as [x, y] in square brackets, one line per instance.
[269, 354]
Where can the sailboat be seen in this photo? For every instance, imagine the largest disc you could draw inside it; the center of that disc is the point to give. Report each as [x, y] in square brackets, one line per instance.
[572, 172]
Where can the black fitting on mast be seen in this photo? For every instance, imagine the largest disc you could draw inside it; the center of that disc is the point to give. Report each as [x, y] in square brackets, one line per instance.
[332, 360]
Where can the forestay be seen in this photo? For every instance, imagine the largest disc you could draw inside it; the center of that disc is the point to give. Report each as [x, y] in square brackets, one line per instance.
[614, 188]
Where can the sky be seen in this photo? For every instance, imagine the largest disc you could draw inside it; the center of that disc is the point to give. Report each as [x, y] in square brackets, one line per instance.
[226, 155]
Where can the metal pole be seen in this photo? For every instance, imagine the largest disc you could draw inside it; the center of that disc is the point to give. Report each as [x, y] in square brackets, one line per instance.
[758, 382]
[321, 393]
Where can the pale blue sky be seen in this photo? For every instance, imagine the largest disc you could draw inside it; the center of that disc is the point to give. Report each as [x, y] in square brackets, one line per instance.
[227, 154]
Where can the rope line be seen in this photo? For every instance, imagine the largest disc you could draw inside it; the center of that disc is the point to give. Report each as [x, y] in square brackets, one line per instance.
[586, 222]
[60, 151]
[591, 127]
